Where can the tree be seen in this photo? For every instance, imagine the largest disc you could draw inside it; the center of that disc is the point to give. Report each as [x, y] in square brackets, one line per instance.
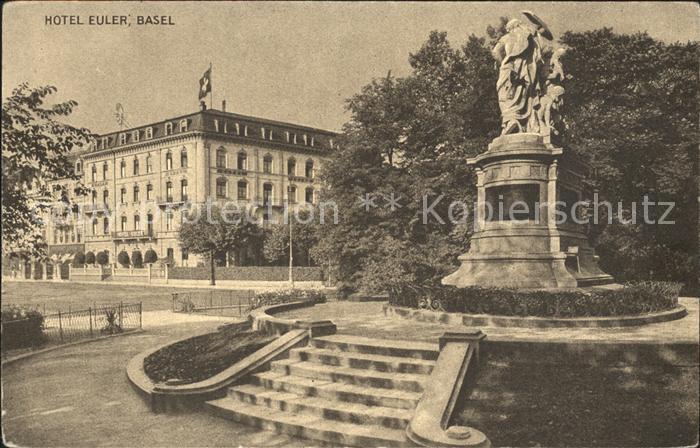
[210, 231]
[79, 260]
[123, 259]
[90, 258]
[137, 259]
[304, 238]
[102, 258]
[35, 146]
[150, 256]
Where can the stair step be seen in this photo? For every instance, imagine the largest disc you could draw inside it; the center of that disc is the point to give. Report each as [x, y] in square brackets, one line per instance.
[331, 390]
[381, 363]
[359, 344]
[323, 408]
[304, 426]
[347, 375]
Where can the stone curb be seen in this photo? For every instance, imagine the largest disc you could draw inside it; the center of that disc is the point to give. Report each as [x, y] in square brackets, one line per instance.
[484, 320]
[70, 344]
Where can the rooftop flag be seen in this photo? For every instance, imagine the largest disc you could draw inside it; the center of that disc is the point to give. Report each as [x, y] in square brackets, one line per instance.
[205, 83]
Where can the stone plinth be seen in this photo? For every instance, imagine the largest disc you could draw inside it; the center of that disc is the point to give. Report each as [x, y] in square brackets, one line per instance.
[521, 239]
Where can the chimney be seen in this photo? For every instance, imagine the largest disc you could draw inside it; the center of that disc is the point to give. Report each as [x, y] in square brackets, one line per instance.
[223, 105]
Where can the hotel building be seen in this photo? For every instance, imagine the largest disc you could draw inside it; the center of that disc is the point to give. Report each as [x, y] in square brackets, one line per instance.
[140, 178]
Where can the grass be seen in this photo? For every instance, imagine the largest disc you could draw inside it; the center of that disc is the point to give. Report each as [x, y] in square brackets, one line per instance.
[63, 296]
[202, 357]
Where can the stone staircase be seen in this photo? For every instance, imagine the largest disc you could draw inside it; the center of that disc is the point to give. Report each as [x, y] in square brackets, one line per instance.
[342, 390]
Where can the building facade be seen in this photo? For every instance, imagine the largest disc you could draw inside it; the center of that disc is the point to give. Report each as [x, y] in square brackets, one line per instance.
[139, 180]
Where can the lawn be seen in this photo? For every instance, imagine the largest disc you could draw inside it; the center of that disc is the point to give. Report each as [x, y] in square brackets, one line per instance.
[64, 295]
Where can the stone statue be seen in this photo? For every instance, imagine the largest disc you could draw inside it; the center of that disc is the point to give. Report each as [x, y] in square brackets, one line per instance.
[550, 104]
[520, 84]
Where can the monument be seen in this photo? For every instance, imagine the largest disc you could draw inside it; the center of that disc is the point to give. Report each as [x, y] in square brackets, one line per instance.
[530, 192]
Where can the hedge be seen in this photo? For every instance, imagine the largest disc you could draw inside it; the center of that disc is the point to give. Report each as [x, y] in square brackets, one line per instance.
[21, 328]
[102, 258]
[150, 256]
[249, 273]
[632, 299]
[79, 260]
[90, 258]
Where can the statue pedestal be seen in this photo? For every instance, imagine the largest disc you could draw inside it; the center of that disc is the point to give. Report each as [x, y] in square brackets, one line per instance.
[523, 238]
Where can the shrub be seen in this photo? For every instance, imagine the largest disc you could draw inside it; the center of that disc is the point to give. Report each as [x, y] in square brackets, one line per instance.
[90, 258]
[137, 259]
[21, 328]
[102, 258]
[286, 296]
[79, 260]
[250, 273]
[632, 299]
[123, 259]
[150, 256]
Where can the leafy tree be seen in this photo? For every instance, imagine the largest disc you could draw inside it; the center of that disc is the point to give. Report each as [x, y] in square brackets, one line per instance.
[137, 259]
[123, 259]
[79, 260]
[102, 258]
[90, 258]
[304, 237]
[35, 146]
[150, 256]
[210, 231]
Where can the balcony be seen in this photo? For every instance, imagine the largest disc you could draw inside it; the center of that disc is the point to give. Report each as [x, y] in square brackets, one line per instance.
[146, 234]
[165, 201]
[235, 171]
[95, 208]
[293, 178]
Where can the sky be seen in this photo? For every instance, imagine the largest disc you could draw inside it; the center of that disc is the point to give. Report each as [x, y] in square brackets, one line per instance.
[287, 61]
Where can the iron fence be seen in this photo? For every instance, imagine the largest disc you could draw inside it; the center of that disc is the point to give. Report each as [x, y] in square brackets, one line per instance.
[62, 327]
[231, 302]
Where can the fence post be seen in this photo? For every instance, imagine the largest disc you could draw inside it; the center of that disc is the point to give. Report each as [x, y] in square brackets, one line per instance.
[149, 272]
[166, 273]
[90, 311]
[120, 315]
[140, 315]
[60, 326]
[70, 271]
[211, 298]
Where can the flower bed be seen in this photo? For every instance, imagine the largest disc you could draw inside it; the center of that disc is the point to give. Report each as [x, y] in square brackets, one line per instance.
[204, 356]
[286, 296]
[632, 299]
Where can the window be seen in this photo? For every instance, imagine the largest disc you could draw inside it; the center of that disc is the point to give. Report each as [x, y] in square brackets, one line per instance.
[292, 194]
[309, 171]
[291, 167]
[105, 197]
[104, 142]
[78, 167]
[149, 224]
[267, 164]
[306, 139]
[122, 169]
[242, 161]
[137, 222]
[183, 190]
[123, 224]
[242, 189]
[94, 172]
[221, 158]
[149, 132]
[245, 131]
[185, 255]
[309, 197]
[168, 160]
[221, 187]
[169, 191]
[330, 143]
[149, 164]
[238, 129]
[135, 136]
[267, 194]
[216, 125]
[105, 225]
[105, 170]
[122, 138]
[183, 158]
[183, 125]
[262, 133]
[136, 193]
[94, 196]
[294, 138]
[168, 128]
[169, 220]
[94, 226]
[286, 136]
[122, 196]
[149, 192]
[136, 167]
[170, 254]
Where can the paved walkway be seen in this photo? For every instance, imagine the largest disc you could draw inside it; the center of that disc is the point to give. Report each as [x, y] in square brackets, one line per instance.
[368, 319]
[80, 396]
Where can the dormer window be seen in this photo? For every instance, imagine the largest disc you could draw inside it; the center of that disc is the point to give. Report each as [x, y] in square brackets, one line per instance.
[262, 132]
[183, 125]
[122, 139]
[270, 136]
[225, 127]
[149, 132]
[312, 141]
[104, 142]
[245, 131]
[294, 139]
[135, 136]
[330, 143]
[216, 125]
[286, 136]
[238, 129]
[306, 139]
[168, 128]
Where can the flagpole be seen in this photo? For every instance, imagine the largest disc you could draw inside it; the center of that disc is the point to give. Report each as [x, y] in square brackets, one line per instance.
[211, 89]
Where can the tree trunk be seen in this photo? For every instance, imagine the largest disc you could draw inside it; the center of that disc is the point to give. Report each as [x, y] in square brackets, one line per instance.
[212, 273]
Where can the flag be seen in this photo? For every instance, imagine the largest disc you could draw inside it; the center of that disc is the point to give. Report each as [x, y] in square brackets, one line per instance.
[205, 84]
